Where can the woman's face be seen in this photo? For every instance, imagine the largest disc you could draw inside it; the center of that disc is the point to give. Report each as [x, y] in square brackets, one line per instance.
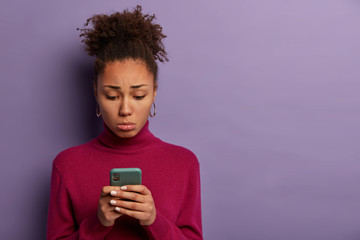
[125, 92]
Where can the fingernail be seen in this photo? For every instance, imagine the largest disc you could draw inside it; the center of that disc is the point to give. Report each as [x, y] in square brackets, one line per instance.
[123, 188]
[117, 209]
[113, 193]
[112, 202]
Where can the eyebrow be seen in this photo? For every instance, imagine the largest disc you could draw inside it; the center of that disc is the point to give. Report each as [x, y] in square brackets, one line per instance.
[111, 86]
[117, 87]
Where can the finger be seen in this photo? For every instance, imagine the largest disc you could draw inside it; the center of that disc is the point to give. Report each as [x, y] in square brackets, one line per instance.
[105, 207]
[136, 188]
[135, 214]
[105, 190]
[128, 195]
[141, 207]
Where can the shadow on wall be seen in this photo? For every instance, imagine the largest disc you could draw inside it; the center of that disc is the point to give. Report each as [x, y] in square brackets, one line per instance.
[80, 104]
[83, 108]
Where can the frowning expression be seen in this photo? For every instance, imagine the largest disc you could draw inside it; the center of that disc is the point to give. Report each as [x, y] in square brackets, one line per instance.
[125, 92]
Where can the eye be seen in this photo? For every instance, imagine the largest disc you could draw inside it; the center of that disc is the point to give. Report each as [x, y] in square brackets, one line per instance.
[139, 97]
[111, 97]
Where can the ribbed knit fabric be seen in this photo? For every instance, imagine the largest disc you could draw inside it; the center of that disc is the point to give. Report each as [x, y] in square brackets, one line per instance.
[170, 172]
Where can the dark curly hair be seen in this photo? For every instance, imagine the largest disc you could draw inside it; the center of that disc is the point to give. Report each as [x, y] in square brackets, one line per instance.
[124, 35]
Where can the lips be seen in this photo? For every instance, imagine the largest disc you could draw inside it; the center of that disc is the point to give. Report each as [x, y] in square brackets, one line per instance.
[127, 126]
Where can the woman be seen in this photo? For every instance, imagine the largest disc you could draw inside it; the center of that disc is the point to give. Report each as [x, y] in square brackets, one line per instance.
[82, 204]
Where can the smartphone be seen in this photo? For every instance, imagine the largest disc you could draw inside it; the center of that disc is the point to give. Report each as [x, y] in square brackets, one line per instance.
[125, 176]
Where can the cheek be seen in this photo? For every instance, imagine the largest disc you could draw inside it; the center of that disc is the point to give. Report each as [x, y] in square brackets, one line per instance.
[109, 110]
[143, 108]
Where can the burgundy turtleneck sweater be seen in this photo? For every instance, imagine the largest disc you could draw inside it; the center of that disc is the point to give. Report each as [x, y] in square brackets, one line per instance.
[170, 172]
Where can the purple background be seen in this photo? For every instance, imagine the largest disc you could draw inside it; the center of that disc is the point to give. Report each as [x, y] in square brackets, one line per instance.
[266, 93]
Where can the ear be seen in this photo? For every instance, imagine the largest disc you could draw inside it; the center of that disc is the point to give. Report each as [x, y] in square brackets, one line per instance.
[155, 91]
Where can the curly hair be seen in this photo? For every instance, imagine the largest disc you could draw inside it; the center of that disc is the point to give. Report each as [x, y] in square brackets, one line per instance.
[124, 35]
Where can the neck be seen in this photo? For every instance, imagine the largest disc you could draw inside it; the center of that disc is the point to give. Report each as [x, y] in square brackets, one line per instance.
[143, 138]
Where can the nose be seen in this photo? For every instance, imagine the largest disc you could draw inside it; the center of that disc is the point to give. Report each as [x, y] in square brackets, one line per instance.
[125, 107]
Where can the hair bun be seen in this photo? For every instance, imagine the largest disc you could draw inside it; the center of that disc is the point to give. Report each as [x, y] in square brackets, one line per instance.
[123, 28]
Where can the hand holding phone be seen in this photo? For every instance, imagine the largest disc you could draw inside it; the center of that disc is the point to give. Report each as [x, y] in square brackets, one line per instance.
[132, 199]
[107, 213]
[135, 201]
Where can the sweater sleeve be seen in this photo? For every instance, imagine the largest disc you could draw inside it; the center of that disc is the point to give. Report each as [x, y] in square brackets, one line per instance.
[61, 223]
[188, 225]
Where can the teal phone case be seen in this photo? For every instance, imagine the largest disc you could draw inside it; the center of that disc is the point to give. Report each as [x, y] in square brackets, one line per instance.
[125, 176]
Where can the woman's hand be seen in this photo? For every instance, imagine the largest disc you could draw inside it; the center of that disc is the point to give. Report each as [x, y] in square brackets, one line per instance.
[106, 213]
[141, 206]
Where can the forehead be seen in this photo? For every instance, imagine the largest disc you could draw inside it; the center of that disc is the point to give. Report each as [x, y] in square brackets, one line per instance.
[126, 73]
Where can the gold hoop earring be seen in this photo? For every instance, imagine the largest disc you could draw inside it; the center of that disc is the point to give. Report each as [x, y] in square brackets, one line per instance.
[98, 112]
[153, 115]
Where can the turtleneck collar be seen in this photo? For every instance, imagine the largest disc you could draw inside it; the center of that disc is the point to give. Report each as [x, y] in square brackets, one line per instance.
[143, 138]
